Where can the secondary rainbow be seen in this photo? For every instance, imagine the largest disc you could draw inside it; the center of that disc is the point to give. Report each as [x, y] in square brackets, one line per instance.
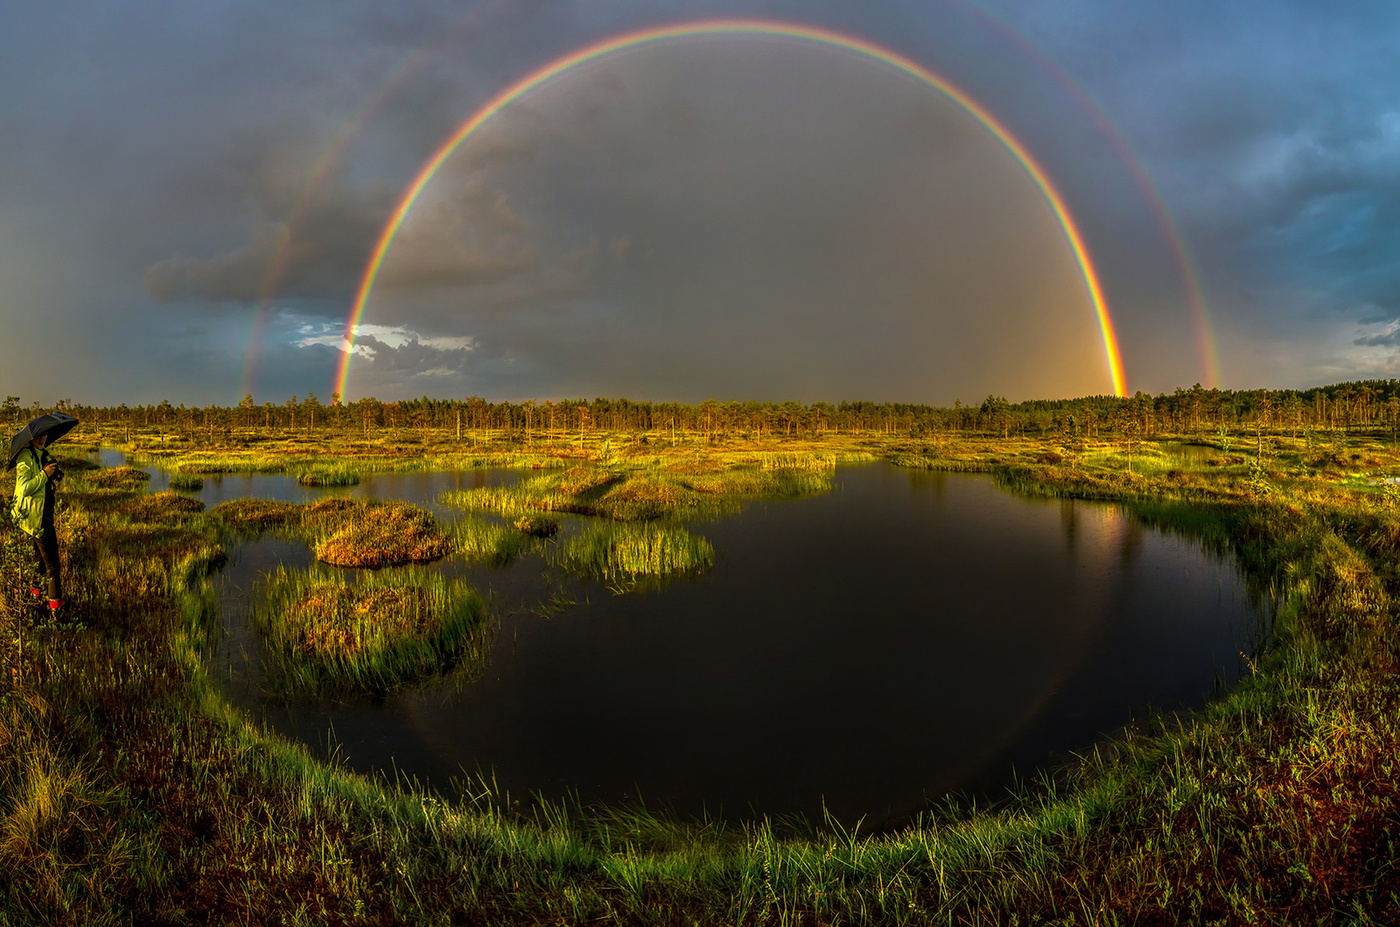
[720, 27]
[1186, 264]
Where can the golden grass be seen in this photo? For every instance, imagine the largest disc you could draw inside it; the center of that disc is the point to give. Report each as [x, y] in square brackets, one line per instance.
[376, 535]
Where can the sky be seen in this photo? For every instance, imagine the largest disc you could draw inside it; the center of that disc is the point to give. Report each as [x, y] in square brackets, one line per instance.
[919, 210]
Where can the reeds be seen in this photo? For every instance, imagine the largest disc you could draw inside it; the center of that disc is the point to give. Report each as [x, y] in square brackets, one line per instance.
[375, 631]
[330, 476]
[612, 551]
[491, 541]
[537, 526]
[645, 491]
[186, 482]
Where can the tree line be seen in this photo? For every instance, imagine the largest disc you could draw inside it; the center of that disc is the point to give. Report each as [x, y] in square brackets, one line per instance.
[1346, 406]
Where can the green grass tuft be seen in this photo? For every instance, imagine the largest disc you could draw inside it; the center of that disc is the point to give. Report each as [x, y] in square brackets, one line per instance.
[610, 550]
[376, 631]
[186, 482]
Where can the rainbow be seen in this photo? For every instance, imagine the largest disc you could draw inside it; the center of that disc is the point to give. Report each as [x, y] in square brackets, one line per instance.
[1186, 265]
[717, 27]
[322, 170]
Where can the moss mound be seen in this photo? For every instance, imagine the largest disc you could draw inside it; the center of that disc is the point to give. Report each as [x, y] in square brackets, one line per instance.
[119, 478]
[257, 514]
[387, 534]
[162, 506]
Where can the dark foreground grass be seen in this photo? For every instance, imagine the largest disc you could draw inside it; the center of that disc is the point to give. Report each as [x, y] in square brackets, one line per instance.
[132, 793]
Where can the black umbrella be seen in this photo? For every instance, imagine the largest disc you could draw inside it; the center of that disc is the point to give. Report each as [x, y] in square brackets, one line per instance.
[53, 424]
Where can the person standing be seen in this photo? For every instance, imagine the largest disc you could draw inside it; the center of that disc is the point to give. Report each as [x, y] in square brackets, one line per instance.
[37, 474]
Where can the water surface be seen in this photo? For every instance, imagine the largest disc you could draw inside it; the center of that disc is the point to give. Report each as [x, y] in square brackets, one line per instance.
[866, 650]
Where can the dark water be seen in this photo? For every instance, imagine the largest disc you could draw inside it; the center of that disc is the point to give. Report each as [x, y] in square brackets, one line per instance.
[907, 634]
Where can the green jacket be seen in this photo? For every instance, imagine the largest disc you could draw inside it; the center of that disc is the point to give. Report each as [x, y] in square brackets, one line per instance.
[30, 482]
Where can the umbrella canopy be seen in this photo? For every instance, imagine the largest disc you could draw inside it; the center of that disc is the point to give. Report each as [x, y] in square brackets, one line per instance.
[53, 424]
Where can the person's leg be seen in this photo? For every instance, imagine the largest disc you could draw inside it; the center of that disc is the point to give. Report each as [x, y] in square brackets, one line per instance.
[47, 545]
[37, 586]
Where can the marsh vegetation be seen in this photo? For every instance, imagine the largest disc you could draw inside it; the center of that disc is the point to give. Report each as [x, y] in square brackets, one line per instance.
[371, 632]
[133, 792]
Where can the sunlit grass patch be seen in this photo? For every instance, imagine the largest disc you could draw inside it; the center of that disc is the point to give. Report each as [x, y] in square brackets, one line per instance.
[162, 506]
[330, 476]
[376, 630]
[749, 481]
[645, 496]
[127, 478]
[537, 526]
[381, 534]
[186, 482]
[537, 494]
[648, 489]
[222, 462]
[612, 550]
[579, 480]
[496, 543]
[695, 465]
[784, 460]
[256, 515]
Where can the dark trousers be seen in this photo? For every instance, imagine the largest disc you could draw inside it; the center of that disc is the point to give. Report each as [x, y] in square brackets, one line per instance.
[46, 549]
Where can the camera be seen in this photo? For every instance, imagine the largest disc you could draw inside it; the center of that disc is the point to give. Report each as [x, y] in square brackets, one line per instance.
[57, 474]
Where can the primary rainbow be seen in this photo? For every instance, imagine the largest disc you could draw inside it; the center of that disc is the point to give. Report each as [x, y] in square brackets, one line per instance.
[713, 27]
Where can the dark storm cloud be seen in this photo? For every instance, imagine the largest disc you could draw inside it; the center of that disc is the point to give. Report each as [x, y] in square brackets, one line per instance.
[411, 356]
[636, 226]
[763, 218]
[1389, 338]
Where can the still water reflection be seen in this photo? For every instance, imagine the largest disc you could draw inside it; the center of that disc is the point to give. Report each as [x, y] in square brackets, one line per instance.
[907, 634]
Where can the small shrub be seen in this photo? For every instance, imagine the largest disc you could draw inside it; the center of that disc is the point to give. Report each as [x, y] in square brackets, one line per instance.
[538, 526]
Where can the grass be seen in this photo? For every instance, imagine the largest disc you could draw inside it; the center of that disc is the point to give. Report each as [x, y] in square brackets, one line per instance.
[537, 526]
[330, 476]
[344, 532]
[122, 478]
[642, 489]
[376, 631]
[612, 551]
[186, 482]
[373, 534]
[131, 792]
[490, 541]
[254, 516]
